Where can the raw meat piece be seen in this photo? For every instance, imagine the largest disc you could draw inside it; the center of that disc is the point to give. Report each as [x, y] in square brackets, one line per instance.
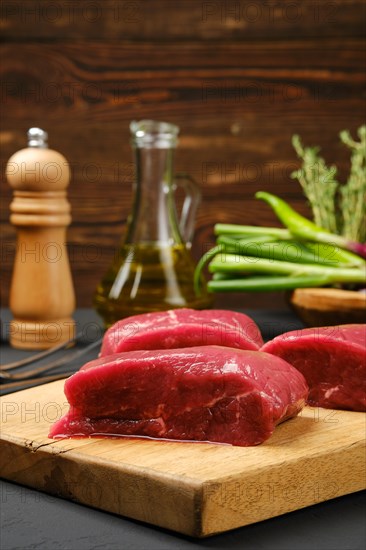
[207, 393]
[333, 361]
[180, 328]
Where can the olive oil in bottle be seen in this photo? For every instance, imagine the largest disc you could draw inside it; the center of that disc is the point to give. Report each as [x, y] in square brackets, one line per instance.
[154, 269]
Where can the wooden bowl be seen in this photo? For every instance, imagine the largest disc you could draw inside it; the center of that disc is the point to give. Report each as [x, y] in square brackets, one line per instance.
[318, 307]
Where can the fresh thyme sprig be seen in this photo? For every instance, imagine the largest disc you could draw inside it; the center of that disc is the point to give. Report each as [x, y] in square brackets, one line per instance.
[319, 185]
[353, 193]
[339, 208]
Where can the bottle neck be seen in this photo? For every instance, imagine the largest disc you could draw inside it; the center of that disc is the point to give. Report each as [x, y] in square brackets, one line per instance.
[153, 219]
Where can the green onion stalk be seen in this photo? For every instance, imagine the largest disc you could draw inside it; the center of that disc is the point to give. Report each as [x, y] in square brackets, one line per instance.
[236, 264]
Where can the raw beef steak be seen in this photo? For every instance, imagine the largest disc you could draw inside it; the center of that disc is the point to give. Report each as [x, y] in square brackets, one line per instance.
[181, 328]
[333, 361]
[208, 393]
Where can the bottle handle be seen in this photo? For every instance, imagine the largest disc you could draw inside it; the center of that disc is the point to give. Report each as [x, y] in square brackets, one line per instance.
[190, 204]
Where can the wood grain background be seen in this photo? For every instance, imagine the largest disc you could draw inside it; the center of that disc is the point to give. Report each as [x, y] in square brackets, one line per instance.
[239, 78]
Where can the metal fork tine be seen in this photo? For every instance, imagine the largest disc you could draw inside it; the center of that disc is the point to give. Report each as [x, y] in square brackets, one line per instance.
[41, 355]
[67, 359]
[23, 384]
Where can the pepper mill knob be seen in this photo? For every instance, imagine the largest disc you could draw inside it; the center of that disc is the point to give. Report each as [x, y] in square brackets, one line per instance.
[41, 295]
[37, 138]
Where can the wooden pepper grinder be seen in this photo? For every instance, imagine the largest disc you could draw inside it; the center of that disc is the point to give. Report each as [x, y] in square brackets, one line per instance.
[41, 295]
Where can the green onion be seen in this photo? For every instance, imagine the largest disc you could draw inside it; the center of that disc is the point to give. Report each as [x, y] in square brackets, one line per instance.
[333, 254]
[250, 258]
[289, 250]
[261, 284]
[248, 230]
[201, 264]
[235, 263]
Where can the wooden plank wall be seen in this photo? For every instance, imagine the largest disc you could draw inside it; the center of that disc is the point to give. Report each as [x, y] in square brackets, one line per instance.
[238, 77]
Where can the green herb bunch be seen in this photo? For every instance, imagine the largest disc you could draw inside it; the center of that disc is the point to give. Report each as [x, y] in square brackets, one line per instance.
[339, 208]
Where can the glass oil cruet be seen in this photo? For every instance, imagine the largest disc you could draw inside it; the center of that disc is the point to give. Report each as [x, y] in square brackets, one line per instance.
[154, 269]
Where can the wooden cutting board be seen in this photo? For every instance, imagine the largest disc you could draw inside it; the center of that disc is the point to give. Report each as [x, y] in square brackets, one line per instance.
[195, 488]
